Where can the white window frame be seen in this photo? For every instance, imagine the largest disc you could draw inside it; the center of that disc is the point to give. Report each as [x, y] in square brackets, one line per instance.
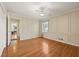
[43, 26]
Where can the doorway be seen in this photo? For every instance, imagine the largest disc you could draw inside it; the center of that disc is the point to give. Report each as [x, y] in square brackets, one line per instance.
[14, 36]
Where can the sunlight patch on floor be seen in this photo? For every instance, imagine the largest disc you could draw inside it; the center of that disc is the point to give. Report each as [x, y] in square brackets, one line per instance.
[45, 48]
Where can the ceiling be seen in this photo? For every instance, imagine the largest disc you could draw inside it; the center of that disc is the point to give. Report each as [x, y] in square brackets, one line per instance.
[32, 9]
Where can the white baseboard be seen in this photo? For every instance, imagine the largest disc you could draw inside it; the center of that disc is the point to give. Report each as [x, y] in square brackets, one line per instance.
[54, 37]
[1, 50]
[70, 43]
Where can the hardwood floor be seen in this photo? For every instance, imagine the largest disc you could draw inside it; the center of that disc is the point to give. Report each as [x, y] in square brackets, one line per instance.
[40, 47]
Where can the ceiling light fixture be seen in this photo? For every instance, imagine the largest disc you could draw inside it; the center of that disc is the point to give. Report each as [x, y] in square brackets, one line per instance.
[41, 14]
[42, 9]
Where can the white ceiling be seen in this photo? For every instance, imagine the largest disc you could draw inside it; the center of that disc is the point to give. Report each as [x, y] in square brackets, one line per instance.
[51, 9]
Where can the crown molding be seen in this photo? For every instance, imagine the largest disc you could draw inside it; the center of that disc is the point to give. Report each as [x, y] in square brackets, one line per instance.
[67, 12]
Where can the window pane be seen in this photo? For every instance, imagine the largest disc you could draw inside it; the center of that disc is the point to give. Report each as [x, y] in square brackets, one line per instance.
[45, 26]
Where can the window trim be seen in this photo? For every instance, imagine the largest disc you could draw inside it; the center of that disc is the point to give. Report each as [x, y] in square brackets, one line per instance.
[43, 31]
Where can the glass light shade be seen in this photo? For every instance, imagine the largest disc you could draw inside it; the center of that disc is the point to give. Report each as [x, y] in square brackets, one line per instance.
[41, 14]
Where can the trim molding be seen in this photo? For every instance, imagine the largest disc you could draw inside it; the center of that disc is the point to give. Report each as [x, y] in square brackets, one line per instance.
[70, 43]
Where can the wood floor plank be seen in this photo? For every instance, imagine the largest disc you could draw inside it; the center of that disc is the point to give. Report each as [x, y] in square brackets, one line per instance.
[40, 47]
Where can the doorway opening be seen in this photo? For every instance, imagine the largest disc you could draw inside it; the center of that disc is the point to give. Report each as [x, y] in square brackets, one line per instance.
[14, 36]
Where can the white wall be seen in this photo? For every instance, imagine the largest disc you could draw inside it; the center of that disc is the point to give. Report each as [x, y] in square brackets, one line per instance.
[64, 27]
[2, 30]
[28, 28]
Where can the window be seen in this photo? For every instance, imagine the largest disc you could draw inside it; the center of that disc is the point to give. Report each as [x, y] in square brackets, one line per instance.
[45, 26]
